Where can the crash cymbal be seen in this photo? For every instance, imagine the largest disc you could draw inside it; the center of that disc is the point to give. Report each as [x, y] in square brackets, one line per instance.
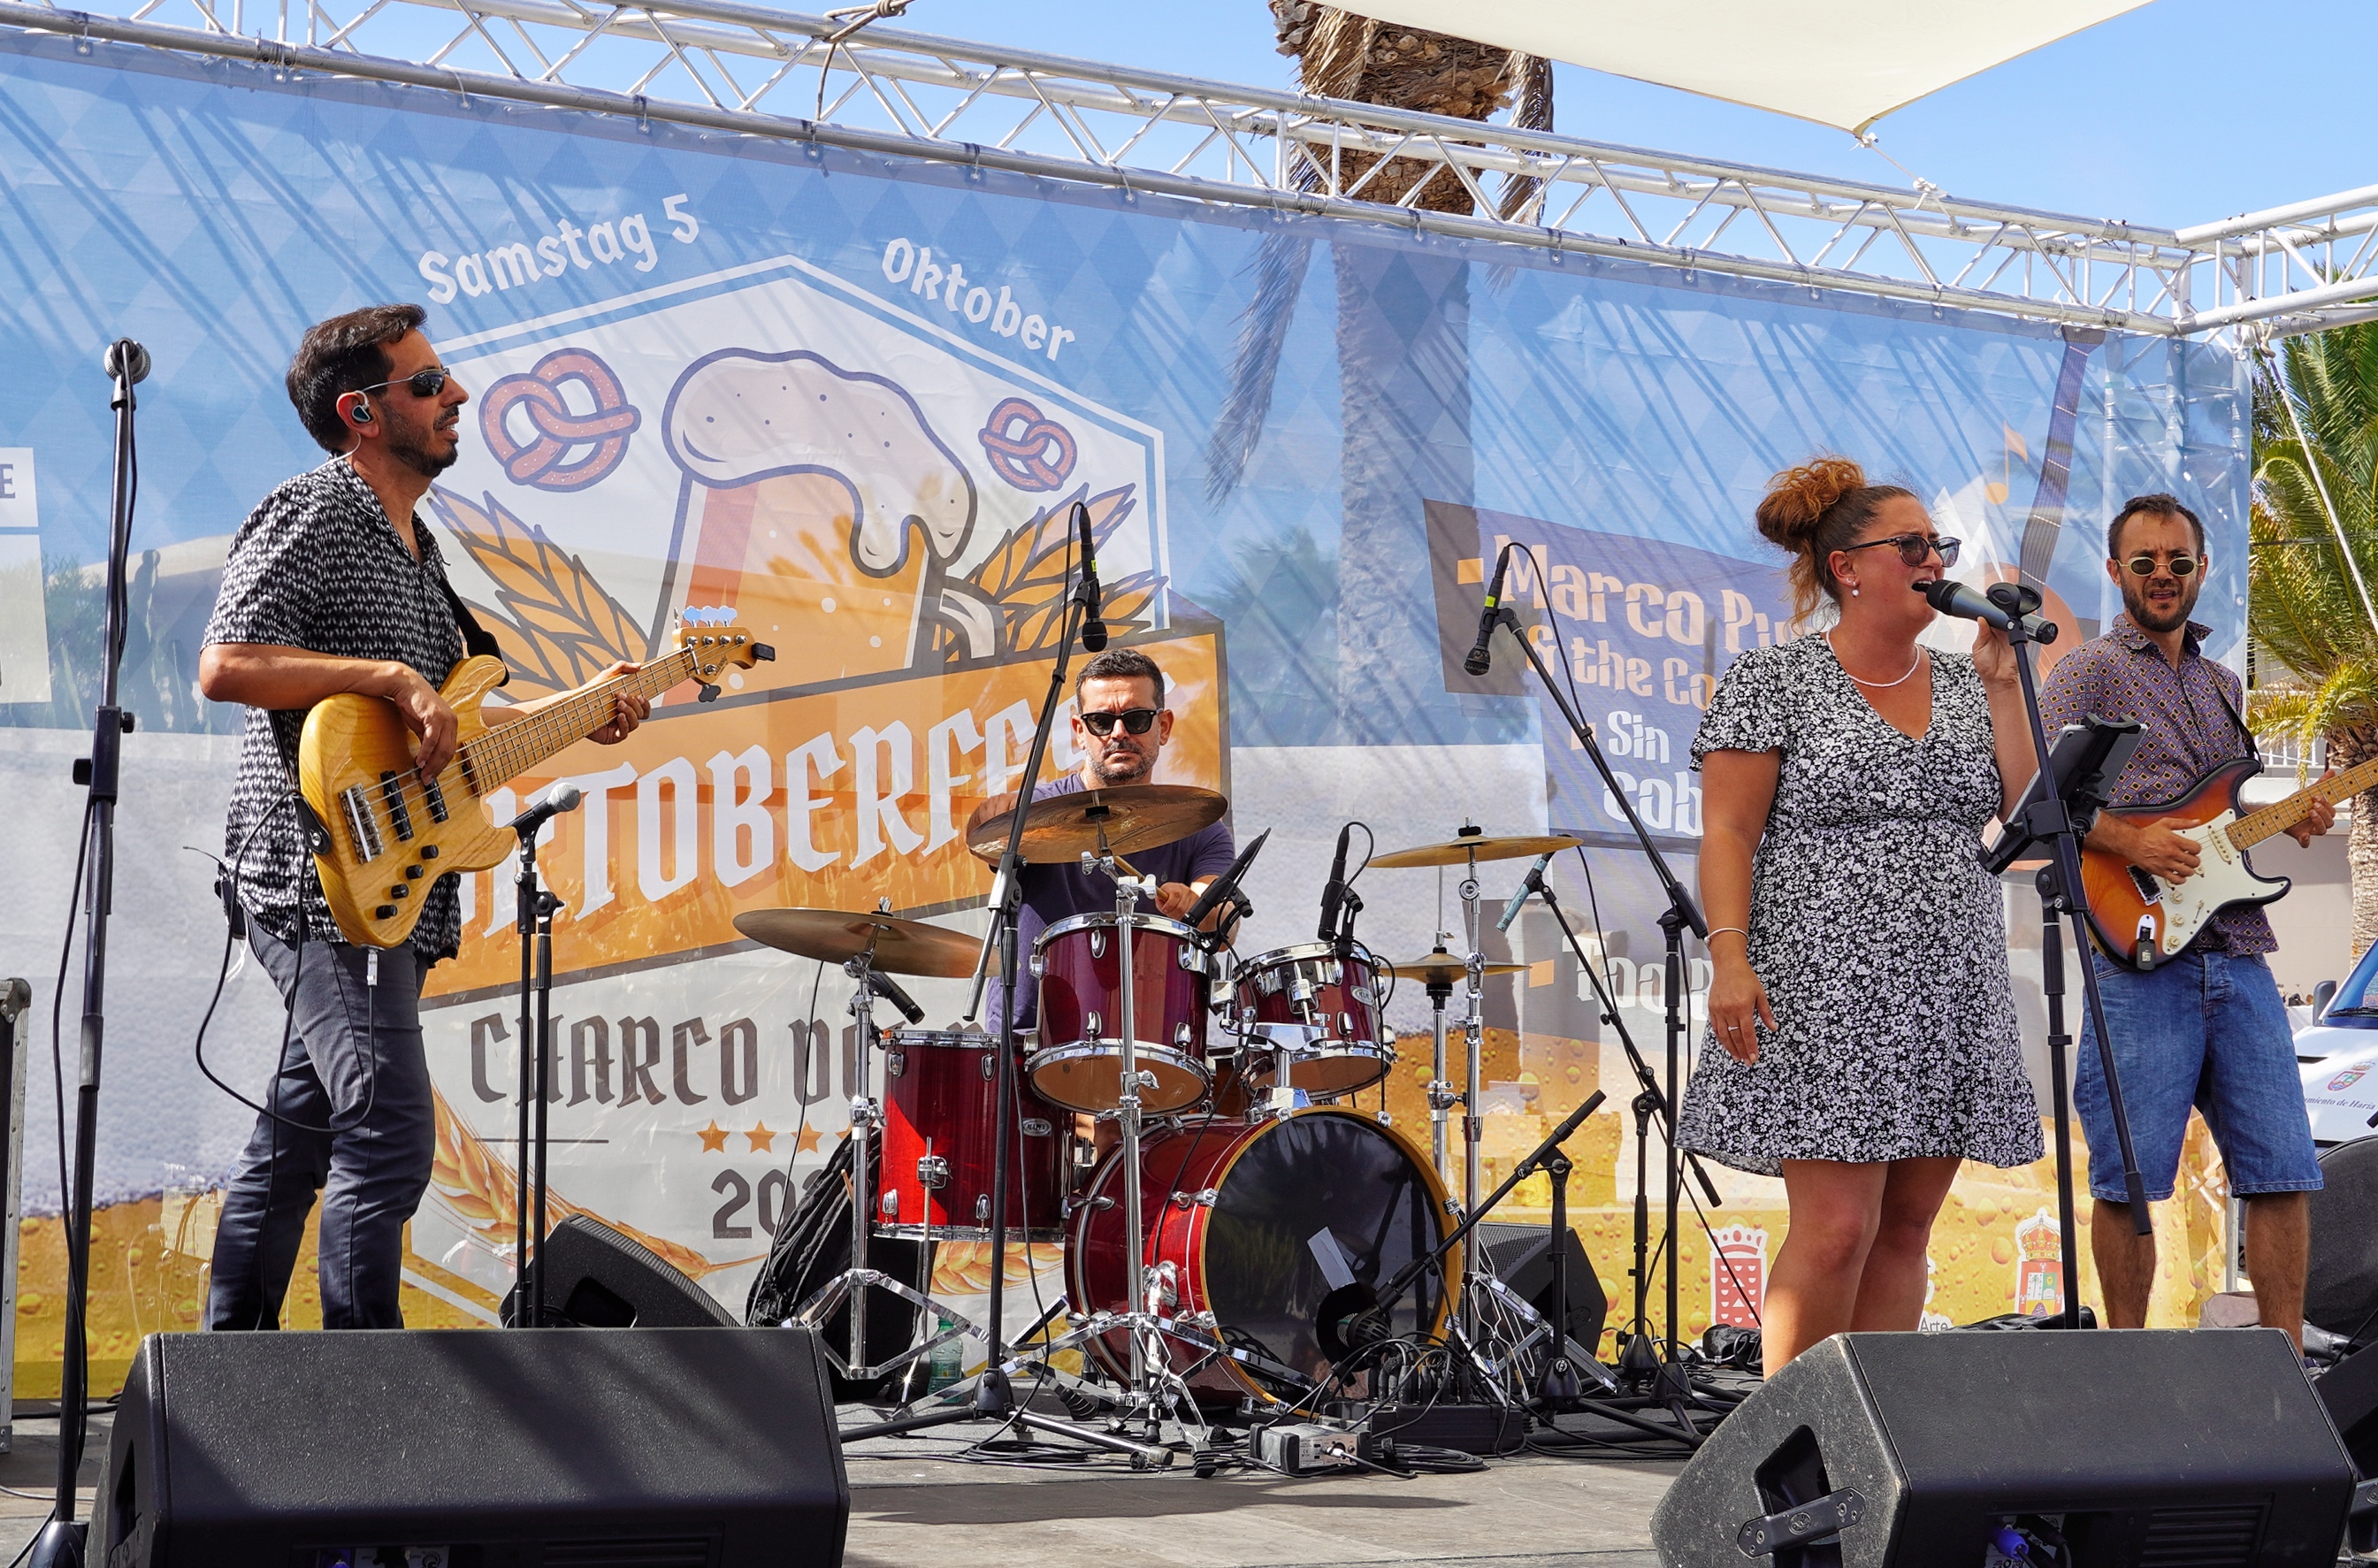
[902, 947]
[1458, 852]
[1065, 828]
[1437, 967]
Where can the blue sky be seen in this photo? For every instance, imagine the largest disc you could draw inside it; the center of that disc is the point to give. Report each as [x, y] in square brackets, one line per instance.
[2178, 113]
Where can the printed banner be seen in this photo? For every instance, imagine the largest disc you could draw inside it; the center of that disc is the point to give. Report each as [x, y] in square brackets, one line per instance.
[850, 404]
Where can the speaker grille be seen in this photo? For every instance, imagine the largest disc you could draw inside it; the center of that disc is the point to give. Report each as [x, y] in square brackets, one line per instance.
[687, 1552]
[2203, 1537]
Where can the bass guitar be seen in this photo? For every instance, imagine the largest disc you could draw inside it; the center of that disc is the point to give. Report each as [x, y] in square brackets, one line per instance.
[382, 834]
[2139, 919]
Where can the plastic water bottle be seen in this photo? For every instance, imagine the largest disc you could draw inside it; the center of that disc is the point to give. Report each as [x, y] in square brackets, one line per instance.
[948, 1363]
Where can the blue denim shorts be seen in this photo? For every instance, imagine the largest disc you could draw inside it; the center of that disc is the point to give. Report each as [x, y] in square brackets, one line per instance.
[2207, 1030]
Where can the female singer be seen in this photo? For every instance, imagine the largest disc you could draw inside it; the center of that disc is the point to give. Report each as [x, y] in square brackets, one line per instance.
[1862, 1042]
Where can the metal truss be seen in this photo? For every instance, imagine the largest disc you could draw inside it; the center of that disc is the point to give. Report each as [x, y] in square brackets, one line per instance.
[743, 68]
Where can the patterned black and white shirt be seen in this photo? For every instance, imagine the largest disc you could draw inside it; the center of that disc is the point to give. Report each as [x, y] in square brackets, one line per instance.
[317, 566]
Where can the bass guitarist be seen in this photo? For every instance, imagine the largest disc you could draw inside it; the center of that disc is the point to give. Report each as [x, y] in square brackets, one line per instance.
[2205, 1026]
[325, 592]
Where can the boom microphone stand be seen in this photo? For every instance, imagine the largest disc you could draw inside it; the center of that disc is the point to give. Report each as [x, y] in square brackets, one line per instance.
[535, 907]
[994, 1398]
[61, 1540]
[1682, 913]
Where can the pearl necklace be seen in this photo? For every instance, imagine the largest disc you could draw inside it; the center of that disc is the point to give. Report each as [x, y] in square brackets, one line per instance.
[1877, 685]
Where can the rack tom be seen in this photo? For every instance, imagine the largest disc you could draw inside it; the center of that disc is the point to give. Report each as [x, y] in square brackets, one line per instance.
[1336, 1000]
[1079, 965]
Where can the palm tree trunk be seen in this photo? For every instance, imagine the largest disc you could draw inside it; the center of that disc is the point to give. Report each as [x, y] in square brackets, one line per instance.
[2348, 747]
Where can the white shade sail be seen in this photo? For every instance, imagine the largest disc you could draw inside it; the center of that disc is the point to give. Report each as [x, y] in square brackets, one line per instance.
[1845, 63]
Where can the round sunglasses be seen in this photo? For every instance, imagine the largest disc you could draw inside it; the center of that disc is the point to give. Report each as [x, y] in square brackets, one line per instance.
[2178, 565]
[1137, 720]
[1915, 548]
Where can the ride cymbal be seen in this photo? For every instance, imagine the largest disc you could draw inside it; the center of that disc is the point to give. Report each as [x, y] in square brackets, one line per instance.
[1065, 828]
[901, 946]
[1460, 852]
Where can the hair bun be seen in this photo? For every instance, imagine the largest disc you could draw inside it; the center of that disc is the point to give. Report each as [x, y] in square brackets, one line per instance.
[1798, 498]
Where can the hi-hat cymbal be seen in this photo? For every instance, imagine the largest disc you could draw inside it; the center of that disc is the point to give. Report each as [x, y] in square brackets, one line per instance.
[1437, 967]
[901, 946]
[1065, 828]
[1460, 852]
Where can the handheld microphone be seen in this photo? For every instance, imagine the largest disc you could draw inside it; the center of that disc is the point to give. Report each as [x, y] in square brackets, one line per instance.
[1478, 660]
[560, 798]
[125, 361]
[1094, 631]
[1536, 879]
[1333, 892]
[1957, 598]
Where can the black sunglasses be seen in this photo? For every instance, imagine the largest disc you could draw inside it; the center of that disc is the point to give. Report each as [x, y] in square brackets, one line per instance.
[1137, 720]
[1915, 548]
[421, 383]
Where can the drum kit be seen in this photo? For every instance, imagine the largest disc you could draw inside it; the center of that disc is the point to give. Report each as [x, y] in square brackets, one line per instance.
[1240, 1187]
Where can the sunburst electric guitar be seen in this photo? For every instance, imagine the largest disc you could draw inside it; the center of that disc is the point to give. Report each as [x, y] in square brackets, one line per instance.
[382, 834]
[2140, 919]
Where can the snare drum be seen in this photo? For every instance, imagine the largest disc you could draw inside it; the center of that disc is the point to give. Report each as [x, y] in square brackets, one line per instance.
[1312, 987]
[941, 1087]
[1079, 1063]
[1255, 1238]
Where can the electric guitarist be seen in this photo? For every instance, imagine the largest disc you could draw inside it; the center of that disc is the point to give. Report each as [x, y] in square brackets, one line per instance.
[326, 592]
[2203, 1026]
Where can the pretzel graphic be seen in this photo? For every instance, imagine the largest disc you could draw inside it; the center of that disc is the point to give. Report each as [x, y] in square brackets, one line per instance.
[1028, 451]
[560, 430]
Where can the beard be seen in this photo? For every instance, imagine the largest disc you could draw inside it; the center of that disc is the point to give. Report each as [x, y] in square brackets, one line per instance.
[1122, 768]
[2149, 619]
[417, 456]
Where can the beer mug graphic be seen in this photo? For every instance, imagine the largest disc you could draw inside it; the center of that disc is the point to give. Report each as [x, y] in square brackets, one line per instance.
[819, 505]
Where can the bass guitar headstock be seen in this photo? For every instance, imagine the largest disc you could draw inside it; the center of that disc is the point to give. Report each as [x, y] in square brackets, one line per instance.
[716, 645]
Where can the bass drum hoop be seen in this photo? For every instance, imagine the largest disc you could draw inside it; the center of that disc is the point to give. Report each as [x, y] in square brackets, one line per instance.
[1117, 1364]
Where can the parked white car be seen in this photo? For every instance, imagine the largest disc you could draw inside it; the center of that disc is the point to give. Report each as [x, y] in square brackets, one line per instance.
[2337, 1054]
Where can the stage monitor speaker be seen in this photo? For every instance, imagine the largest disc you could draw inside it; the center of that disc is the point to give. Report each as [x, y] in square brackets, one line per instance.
[2144, 1447]
[471, 1448]
[2349, 1391]
[2341, 1283]
[1521, 1257]
[596, 1278]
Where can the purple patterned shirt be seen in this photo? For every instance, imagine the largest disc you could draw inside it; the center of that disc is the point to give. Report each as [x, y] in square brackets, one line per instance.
[2189, 729]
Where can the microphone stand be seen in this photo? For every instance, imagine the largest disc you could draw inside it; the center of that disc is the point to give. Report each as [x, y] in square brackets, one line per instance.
[994, 1397]
[61, 1540]
[2058, 811]
[1658, 1363]
[536, 906]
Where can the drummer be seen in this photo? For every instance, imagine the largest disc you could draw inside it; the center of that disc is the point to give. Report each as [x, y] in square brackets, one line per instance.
[1119, 727]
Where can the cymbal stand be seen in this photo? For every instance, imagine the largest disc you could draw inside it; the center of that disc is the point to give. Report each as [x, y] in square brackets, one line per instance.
[853, 1283]
[1473, 1037]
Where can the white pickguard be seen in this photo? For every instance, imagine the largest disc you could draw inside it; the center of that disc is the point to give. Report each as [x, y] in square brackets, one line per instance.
[2222, 877]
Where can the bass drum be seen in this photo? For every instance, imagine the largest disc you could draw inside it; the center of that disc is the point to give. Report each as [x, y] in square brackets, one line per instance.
[1249, 1228]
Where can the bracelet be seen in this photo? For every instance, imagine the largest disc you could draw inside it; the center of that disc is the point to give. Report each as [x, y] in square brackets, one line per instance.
[1722, 930]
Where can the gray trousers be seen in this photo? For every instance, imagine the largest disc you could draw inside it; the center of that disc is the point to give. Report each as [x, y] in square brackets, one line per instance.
[354, 1066]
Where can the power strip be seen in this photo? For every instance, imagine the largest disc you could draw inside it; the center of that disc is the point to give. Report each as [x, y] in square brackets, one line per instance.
[1307, 1448]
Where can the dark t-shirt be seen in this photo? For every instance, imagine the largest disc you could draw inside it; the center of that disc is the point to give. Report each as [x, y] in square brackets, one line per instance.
[1052, 893]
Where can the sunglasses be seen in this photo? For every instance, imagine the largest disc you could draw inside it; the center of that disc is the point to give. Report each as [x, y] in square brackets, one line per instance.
[1137, 720]
[1915, 548]
[2179, 566]
[421, 383]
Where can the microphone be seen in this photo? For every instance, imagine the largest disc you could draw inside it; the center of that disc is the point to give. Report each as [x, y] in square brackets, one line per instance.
[1222, 886]
[125, 361]
[562, 797]
[1956, 599]
[1478, 659]
[1094, 631]
[889, 989]
[1333, 892]
[1536, 879]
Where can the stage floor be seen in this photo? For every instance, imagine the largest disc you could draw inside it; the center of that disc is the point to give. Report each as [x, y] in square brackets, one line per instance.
[914, 1504]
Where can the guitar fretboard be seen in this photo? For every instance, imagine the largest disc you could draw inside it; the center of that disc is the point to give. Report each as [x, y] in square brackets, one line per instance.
[509, 750]
[2255, 826]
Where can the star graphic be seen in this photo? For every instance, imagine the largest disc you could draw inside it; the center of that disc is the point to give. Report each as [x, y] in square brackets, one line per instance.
[762, 1141]
[808, 1140]
[714, 1139]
